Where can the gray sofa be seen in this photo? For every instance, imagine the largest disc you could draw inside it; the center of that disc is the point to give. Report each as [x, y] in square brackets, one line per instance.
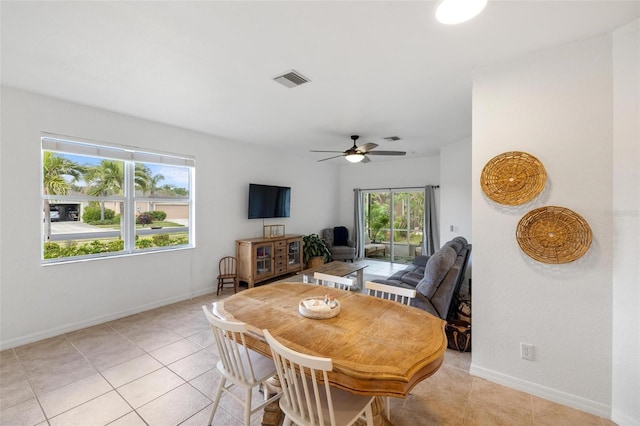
[436, 279]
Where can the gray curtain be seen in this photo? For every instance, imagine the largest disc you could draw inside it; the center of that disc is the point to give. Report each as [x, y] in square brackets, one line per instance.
[358, 224]
[431, 235]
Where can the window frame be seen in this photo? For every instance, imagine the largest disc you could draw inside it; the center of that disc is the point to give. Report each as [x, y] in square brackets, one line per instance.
[129, 156]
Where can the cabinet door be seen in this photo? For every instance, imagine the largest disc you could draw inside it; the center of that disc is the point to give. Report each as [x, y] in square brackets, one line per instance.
[294, 254]
[263, 260]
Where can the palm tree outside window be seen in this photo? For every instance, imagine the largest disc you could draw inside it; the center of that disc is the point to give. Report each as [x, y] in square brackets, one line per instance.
[99, 193]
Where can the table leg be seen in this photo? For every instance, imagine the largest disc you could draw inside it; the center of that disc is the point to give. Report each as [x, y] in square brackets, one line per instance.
[361, 278]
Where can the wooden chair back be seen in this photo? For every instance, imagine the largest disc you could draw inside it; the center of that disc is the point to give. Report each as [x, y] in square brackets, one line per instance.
[335, 281]
[384, 291]
[227, 273]
[233, 352]
[307, 397]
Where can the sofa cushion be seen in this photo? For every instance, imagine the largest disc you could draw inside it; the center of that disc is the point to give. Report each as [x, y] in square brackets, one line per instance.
[412, 278]
[338, 250]
[463, 240]
[425, 304]
[455, 244]
[421, 260]
[398, 275]
[437, 267]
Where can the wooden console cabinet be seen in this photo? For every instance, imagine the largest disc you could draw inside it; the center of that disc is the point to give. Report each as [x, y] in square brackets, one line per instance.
[260, 259]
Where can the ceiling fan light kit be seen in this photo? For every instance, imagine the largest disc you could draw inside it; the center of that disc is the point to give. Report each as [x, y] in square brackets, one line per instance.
[357, 154]
[451, 12]
[354, 158]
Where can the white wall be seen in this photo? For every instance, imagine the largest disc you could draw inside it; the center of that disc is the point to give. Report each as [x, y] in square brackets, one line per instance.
[455, 190]
[626, 226]
[409, 172]
[41, 301]
[455, 198]
[557, 105]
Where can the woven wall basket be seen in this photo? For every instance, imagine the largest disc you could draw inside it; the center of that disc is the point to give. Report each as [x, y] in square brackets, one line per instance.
[553, 235]
[513, 178]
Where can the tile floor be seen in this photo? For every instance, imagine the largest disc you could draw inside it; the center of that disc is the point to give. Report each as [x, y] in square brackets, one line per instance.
[158, 368]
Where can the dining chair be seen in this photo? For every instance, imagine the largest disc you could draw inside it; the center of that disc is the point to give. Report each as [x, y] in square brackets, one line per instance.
[227, 273]
[307, 400]
[384, 291]
[335, 281]
[396, 294]
[238, 365]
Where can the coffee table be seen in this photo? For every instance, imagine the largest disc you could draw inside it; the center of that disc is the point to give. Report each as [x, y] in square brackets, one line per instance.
[340, 269]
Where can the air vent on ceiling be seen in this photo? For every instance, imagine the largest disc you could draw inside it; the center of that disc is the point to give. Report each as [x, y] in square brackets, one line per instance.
[392, 138]
[291, 78]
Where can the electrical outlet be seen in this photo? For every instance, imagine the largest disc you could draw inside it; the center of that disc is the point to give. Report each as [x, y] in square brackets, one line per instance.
[527, 351]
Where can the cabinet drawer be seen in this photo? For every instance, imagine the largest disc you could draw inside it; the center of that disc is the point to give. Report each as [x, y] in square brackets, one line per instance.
[280, 243]
[280, 266]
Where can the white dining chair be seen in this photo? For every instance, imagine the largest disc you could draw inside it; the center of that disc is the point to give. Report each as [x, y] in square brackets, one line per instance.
[238, 365]
[335, 281]
[384, 291]
[307, 400]
[396, 294]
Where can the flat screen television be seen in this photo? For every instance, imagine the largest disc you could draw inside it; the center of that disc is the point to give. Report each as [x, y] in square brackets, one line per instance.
[266, 201]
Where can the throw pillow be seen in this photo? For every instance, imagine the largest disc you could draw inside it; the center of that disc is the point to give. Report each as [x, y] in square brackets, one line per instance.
[435, 271]
[340, 236]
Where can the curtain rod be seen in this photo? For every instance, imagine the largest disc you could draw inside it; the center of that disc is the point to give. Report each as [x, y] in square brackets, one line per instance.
[402, 187]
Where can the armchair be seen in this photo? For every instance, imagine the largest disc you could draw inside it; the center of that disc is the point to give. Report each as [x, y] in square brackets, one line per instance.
[339, 244]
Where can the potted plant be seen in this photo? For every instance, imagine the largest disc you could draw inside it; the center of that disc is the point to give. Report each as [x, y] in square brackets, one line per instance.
[314, 247]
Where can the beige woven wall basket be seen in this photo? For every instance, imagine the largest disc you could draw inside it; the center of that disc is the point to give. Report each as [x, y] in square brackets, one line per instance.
[553, 234]
[513, 178]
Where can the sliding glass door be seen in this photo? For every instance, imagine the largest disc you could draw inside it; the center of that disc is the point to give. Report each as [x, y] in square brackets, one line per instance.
[393, 223]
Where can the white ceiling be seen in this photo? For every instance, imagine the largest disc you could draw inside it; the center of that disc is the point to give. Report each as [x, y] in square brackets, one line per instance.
[378, 69]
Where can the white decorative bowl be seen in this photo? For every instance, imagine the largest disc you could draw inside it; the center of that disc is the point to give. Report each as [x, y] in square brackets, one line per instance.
[316, 308]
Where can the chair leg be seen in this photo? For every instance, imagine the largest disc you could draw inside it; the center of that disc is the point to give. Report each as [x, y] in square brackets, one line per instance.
[387, 407]
[247, 408]
[235, 285]
[216, 401]
[219, 285]
[368, 412]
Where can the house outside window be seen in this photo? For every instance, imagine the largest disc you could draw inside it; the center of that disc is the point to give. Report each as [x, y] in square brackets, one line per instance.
[103, 200]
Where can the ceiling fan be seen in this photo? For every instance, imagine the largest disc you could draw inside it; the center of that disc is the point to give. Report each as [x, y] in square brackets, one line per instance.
[357, 154]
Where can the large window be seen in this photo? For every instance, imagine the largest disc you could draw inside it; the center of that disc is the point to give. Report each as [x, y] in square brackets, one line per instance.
[100, 200]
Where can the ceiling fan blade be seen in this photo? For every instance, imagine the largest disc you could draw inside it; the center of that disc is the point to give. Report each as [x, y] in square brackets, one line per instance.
[366, 147]
[365, 160]
[386, 153]
[335, 156]
[325, 151]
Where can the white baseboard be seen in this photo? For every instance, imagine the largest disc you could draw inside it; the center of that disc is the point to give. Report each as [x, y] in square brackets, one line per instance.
[52, 332]
[544, 392]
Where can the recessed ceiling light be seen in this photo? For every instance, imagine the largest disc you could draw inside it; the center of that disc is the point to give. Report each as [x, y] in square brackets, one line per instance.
[457, 11]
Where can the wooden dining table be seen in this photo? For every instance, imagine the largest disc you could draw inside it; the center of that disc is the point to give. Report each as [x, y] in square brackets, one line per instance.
[378, 347]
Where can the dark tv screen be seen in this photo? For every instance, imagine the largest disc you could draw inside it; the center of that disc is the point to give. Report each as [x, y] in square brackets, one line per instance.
[266, 201]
